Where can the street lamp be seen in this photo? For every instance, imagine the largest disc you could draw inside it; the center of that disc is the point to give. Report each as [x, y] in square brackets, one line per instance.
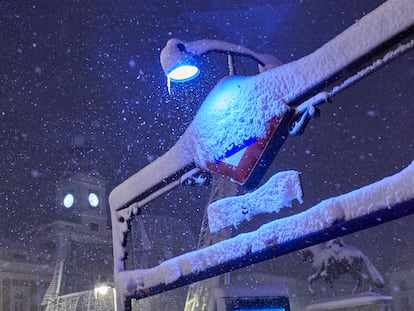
[102, 289]
[180, 59]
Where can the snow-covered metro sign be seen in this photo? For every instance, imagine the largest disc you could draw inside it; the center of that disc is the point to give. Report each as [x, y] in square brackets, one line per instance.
[248, 161]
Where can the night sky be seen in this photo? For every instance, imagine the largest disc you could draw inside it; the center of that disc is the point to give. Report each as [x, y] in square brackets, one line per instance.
[90, 70]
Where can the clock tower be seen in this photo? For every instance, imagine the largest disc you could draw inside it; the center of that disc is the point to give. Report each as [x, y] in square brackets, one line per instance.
[82, 199]
[82, 243]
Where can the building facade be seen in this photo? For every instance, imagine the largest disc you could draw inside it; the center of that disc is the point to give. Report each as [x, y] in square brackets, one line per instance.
[63, 258]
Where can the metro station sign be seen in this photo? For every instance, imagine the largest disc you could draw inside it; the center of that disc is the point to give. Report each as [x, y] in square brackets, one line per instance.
[246, 164]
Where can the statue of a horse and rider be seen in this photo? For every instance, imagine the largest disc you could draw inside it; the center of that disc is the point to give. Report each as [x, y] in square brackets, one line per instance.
[334, 258]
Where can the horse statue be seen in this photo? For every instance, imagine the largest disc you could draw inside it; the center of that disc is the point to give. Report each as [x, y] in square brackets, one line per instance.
[334, 258]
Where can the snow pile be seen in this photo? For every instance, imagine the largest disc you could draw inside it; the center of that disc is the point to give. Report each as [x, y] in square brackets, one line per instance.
[383, 194]
[279, 191]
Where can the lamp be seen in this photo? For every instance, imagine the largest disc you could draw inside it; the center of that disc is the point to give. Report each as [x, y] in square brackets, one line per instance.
[103, 288]
[179, 59]
[183, 73]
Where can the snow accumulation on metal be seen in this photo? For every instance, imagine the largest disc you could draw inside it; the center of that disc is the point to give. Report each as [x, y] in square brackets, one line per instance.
[380, 202]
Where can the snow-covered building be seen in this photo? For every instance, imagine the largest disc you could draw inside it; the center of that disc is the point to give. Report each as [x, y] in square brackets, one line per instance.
[64, 257]
[25, 273]
[57, 265]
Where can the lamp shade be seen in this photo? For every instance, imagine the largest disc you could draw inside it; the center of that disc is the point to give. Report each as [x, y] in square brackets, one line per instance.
[178, 63]
[183, 73]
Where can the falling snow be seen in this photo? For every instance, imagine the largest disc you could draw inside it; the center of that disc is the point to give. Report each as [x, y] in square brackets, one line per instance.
[71, 70]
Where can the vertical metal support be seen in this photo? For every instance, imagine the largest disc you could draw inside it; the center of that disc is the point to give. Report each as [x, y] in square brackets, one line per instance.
[199, 293]
[128, 304]
[227, 278]
[230, 62]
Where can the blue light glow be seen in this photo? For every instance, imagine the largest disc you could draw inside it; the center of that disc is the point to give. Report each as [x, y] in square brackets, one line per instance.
[183, 73]
[272, 309]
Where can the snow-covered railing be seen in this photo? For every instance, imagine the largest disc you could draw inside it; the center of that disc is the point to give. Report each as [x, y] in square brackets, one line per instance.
[83, 301]
[372, 205]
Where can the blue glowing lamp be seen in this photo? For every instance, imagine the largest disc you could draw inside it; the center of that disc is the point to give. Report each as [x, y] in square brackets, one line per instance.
[183, 73]
[179, 59]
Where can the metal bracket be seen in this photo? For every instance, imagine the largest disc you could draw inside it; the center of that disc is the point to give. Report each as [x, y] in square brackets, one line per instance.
[305, 111]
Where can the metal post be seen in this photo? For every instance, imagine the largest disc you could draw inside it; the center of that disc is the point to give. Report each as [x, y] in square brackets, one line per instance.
[128, 304]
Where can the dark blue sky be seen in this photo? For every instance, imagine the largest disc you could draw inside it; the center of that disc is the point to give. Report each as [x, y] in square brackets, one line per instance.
[92, 69]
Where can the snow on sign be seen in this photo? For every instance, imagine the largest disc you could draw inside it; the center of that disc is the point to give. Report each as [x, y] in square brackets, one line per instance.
[245, 162]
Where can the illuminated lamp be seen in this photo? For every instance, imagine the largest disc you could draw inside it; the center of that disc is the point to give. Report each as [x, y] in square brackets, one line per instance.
[179, 59]
[179, 64]
[183, 73]
[102, 289]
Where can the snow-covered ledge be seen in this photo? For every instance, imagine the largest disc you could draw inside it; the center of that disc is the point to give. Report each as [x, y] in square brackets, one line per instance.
[385, 200]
